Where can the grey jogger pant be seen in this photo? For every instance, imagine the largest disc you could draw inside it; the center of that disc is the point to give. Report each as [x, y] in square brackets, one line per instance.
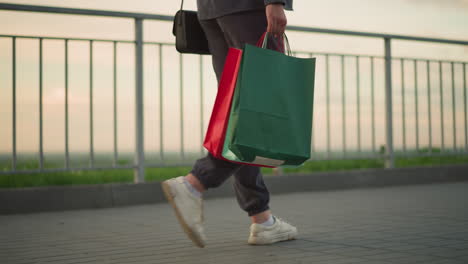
[234, 31]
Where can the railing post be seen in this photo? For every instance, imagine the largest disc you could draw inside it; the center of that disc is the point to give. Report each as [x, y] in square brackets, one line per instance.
[389, 155]
[139, 171]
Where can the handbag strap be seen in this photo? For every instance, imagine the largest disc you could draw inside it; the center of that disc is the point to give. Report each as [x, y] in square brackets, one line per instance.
[181, 4]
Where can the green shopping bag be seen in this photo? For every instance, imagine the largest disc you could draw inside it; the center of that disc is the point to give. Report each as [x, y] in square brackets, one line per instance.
[271, 114]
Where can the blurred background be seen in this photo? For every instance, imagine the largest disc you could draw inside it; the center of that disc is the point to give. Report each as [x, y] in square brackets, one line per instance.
[74, 89]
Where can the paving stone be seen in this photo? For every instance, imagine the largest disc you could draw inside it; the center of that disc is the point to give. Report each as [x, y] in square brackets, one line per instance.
[407, 224]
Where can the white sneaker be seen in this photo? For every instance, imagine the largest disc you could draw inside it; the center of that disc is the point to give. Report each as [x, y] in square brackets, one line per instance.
[188, 209]
[279, 231]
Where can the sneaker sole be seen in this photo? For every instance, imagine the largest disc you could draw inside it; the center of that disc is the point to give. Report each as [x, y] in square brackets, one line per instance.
[278, 238]
[190, 233]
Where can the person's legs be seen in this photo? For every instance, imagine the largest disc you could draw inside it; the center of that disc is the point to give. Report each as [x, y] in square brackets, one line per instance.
[251, 192]
[210, 172]
[184, 193]
[232, 31]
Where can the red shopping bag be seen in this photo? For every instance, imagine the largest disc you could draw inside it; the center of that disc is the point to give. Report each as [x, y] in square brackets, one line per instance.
[214, 138]
[216, 132]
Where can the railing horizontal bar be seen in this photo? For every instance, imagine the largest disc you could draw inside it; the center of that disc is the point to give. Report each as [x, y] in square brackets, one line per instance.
[65, 38]
[78, 11]
[93, 12]
[159, 43]
[173, 44]
[380, 57]
[338, 54]
[374, 35]
[424, 60]
[71, 169]
[87, 39]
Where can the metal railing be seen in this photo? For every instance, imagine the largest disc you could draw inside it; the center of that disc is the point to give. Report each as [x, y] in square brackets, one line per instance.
[330, 100]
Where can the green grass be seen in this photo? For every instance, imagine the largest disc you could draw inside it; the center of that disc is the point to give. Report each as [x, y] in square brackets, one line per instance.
[339, 165]
[86, 177]
[158, 174]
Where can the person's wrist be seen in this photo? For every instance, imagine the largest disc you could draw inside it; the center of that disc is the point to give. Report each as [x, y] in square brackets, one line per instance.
[276, 18]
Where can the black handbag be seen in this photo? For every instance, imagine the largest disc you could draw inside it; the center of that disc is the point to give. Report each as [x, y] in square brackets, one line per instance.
[190, 37]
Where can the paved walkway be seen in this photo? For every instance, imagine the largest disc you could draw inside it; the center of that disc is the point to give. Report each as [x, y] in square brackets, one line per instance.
[412, 224]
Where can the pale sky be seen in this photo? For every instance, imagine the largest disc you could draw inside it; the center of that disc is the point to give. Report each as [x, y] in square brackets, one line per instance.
[426, 18]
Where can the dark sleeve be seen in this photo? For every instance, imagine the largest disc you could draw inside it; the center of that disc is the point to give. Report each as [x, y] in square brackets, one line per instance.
[267, 2]
[287, 3]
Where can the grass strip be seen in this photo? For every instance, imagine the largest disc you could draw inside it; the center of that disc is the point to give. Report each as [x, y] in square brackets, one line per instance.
[159, 174]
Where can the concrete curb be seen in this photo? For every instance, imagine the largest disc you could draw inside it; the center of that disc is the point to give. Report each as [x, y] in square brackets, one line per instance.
[59, 198]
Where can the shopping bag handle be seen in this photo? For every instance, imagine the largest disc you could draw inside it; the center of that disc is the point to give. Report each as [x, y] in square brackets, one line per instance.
[263, 41]
[260, 40]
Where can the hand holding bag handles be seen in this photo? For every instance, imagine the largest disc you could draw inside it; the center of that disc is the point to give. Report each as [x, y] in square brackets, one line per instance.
[278, 44]
[190, 37]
